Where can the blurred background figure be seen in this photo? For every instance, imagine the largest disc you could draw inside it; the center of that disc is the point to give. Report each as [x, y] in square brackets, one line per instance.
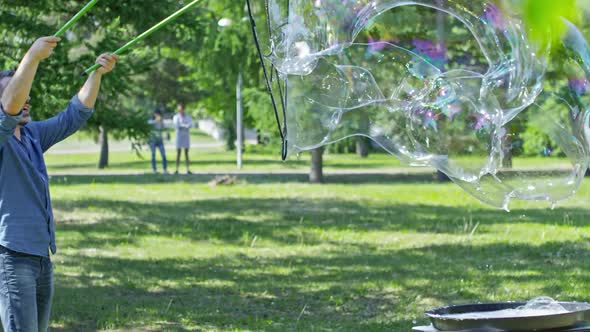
[182, 123]
[156, 140]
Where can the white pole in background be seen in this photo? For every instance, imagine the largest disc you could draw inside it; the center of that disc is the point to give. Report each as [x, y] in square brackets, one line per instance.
[239, 120]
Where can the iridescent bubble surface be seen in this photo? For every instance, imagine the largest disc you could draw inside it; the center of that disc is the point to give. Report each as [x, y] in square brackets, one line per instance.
[452, 84]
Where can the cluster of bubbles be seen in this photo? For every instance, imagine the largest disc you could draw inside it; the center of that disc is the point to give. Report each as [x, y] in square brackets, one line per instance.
[468, 111]
[539, 306]
[543, 303]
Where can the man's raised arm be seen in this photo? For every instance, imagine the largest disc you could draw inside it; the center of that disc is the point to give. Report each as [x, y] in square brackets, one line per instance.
[17, 91]
[78, 111]
[89, 91]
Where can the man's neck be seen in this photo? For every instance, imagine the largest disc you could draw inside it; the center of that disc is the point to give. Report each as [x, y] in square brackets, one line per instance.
[17, 132]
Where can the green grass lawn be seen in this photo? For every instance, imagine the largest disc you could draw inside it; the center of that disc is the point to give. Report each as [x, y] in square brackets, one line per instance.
[273, 253]
[216, 159]
[212, 160]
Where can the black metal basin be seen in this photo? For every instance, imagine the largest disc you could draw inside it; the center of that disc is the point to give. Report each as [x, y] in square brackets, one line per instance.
[577, 312]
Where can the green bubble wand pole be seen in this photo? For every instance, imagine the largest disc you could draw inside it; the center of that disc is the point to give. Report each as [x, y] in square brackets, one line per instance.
[75, 18]
[147, 33]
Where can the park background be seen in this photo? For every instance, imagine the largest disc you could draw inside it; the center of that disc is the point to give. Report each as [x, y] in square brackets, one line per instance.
[262, 247]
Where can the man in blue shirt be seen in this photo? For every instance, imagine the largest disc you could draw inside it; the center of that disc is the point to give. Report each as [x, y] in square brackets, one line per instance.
[26, 219]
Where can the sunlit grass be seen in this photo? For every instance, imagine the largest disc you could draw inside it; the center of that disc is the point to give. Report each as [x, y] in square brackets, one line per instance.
[173, 253]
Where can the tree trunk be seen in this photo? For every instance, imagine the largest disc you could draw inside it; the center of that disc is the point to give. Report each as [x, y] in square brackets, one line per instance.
[316, 174]
[442, 177]
[507, 151]
[362, 142]
[230, 134]
[507, 160]
[362, 146]
[103, 140]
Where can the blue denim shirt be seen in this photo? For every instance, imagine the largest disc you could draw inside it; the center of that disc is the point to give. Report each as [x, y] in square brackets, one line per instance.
[26, 217]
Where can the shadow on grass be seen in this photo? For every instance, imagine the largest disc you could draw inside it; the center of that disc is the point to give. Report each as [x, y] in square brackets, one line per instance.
[253, 178]
[282, 219]
[350, 285]
[354, 289]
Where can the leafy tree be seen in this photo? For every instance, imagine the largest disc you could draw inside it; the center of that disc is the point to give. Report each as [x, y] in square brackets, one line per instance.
[161, 69]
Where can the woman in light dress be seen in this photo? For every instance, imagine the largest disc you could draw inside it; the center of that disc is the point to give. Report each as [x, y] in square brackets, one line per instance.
[182, 124]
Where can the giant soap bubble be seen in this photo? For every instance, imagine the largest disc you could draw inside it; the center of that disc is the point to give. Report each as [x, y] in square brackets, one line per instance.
[463, 90]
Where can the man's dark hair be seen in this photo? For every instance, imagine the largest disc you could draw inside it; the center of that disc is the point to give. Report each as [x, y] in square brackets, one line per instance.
[6, 73]
[3, 75]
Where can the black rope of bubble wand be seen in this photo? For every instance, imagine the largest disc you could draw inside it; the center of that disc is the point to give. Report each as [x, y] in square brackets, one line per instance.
[282, 90]
[268, 83]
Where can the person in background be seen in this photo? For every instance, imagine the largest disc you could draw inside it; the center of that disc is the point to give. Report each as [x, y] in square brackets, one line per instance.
[182, 124]
[27, 229]
[157, 140]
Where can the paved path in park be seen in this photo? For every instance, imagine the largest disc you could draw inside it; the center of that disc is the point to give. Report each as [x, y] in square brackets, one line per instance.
[120, 146]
